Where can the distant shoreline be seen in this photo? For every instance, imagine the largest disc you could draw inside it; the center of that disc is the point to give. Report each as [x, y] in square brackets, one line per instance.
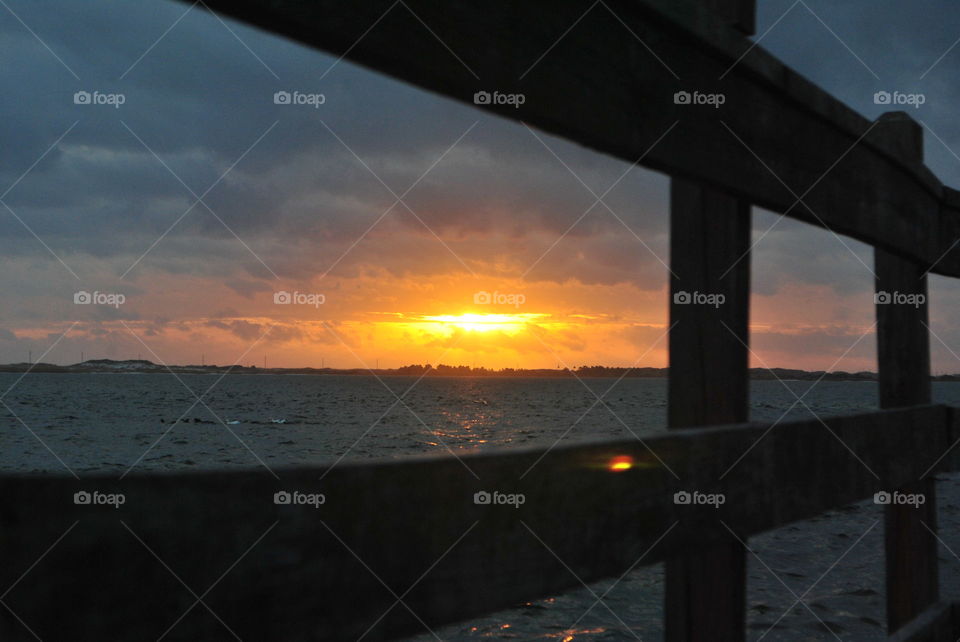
[140, 366]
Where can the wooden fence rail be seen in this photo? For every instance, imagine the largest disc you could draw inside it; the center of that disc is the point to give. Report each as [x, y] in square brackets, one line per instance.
[322, 573]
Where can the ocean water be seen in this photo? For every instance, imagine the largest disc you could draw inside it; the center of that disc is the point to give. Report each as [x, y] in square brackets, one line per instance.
[114, 422]
[103, 423]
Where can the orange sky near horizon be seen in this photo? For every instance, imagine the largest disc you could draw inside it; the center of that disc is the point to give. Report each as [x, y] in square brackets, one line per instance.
[398, 321]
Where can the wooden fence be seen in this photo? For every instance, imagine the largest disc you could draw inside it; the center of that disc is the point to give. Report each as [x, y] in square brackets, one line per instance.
[401, 546]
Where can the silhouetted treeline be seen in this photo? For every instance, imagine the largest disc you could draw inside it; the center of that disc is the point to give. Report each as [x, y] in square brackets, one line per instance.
[440, 370]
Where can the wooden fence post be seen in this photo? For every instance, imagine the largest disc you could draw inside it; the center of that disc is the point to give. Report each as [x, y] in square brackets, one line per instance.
[709, 237]
[903, 357]
[706, 590]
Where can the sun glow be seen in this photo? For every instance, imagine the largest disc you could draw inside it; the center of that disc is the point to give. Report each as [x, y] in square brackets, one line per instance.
[508, 323]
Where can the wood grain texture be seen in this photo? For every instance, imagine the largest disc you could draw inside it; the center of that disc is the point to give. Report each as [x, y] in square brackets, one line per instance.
[705, 592]
[904, 364]
[709, 258]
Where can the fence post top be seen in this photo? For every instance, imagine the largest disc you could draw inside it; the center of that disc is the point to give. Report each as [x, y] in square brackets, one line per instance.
[895, 116]
[899, 129]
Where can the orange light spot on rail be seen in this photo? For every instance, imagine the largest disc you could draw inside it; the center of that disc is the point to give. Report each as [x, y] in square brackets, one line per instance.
[620, 463]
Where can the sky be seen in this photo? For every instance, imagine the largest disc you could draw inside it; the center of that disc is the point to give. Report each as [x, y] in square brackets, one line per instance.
[387, 225]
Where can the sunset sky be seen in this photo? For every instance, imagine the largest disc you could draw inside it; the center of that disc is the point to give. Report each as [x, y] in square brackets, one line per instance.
[304, 199]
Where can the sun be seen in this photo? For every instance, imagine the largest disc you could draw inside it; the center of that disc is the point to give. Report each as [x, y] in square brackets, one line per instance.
[507, 323]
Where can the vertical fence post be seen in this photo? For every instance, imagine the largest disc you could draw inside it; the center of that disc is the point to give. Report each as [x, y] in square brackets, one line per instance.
[706, 590]
[709, 233]
[903, 358]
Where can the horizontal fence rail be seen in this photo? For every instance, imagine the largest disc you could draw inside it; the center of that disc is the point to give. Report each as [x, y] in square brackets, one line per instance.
[778, 141]
[412, 529]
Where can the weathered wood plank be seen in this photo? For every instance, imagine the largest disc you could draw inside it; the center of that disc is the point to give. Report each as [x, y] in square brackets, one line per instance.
[706, 589]
[300, 582]
[903, 356]
[618, 98]
[709, 307]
